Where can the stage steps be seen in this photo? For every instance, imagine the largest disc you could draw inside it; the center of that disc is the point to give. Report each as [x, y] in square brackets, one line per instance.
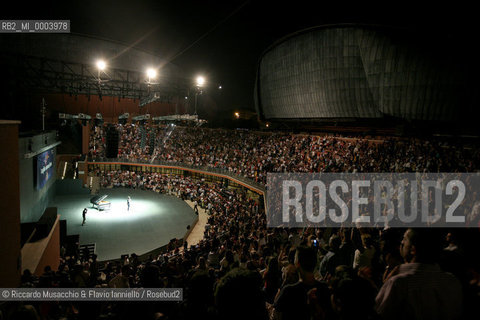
[91, 248]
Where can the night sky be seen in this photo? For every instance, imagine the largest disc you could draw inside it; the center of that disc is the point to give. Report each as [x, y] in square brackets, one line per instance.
[223, 40]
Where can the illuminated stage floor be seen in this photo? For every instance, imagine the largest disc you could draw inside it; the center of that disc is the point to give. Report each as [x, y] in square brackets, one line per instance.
[153, 220]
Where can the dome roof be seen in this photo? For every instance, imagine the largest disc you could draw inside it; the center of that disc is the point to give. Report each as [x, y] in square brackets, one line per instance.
[353, 71]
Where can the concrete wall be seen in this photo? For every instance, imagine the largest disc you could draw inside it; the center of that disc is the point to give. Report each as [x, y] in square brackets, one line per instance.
[51, 255]
[70, 186]
[9, 206]
[38, 254]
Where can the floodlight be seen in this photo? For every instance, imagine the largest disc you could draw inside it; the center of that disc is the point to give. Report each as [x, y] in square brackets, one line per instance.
[101, 65]
[200, 81]
[151, 73]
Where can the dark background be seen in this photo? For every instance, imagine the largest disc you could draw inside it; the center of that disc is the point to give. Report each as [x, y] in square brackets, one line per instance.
[223, 40]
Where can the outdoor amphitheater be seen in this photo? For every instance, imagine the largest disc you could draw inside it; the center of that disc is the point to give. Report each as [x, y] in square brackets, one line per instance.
[126, 185]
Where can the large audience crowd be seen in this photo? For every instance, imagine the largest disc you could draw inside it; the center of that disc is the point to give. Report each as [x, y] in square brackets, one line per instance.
[244, 270]
[254, 154]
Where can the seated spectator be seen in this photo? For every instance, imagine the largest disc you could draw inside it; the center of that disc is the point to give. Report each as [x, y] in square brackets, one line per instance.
[289, 271]
[121, 280]
[239, 296]
[201, 264]
[28, 279]
[472, 292]
[364, 255]
[199, 295]
[272, 278]
[151, 275]
[63, 277]
[420, 289]
[332, 259]
[352, 297]
[47, 278]
[391, 252]
[25, 312]
[213, 259]
[82, 275]
[292, 300]
[227, 262]
[346, 252]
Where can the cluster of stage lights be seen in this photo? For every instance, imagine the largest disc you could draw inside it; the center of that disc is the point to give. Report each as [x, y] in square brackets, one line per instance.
[152, 74]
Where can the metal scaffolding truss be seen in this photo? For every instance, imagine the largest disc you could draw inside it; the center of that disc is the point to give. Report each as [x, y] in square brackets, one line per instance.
[43, 75]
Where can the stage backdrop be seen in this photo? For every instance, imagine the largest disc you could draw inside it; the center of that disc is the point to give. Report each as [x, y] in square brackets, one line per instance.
[37, 174]
[45, 166]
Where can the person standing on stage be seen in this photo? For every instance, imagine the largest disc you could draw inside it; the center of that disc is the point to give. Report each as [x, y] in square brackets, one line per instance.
[128, 203]
[84, 216]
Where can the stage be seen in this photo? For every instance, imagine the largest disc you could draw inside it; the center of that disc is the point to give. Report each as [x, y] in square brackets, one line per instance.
[152, 221]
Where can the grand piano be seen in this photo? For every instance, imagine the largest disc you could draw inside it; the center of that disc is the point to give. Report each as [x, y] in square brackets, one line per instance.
[99, 202]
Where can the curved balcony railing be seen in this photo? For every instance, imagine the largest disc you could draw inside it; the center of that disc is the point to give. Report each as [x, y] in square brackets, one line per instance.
[183, 166]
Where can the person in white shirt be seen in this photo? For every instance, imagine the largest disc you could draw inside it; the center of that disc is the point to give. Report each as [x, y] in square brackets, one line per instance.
[363, 256]
[419, 289]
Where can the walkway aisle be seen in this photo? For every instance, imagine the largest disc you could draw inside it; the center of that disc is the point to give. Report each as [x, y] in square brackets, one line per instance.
[197, 233]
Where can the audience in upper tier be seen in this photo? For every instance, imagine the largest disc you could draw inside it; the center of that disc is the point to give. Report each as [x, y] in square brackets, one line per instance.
[253, 154]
